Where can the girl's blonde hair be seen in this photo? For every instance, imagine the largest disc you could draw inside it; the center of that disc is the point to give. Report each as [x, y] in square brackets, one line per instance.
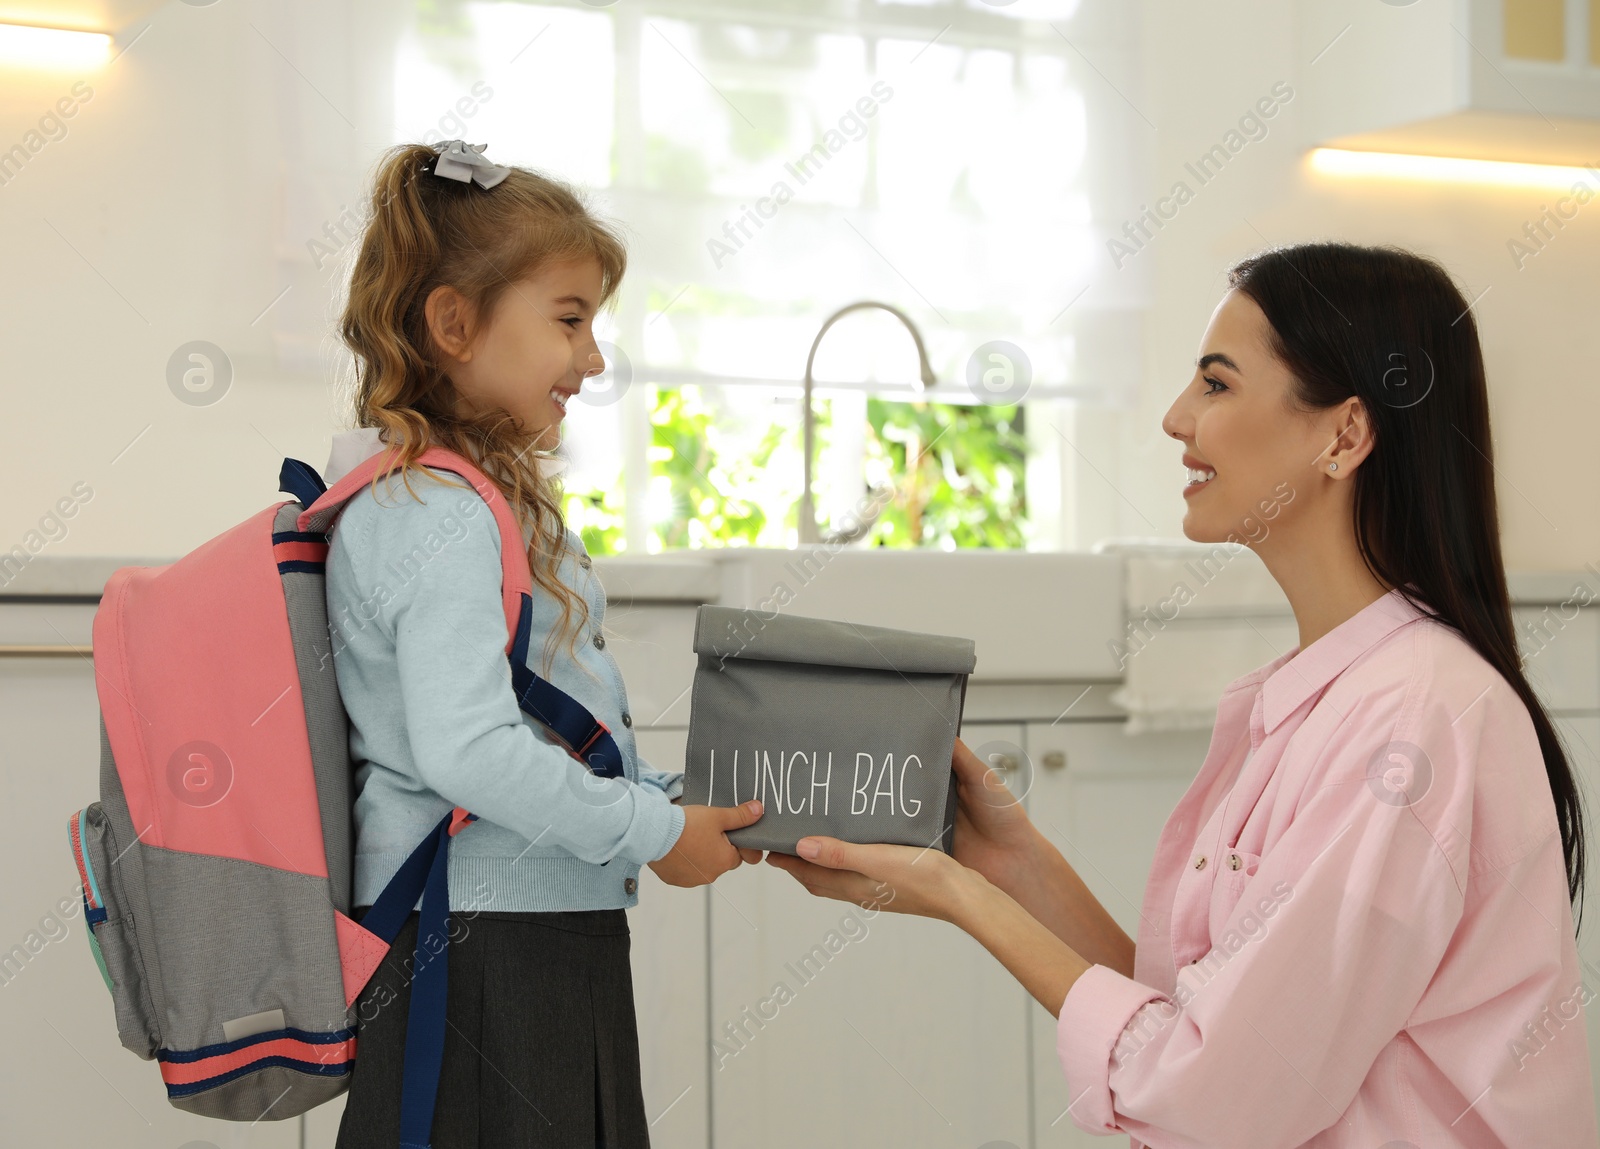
[425, 231]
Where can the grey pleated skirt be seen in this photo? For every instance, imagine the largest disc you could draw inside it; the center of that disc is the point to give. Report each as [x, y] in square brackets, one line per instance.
[541, 1047]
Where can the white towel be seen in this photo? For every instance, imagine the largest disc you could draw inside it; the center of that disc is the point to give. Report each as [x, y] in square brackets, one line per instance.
[1198, 617]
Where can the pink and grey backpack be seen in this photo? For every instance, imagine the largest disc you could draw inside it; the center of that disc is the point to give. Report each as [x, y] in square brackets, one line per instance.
[216, 867]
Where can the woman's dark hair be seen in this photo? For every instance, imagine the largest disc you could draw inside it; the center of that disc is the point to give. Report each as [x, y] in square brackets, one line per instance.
[1391, 328]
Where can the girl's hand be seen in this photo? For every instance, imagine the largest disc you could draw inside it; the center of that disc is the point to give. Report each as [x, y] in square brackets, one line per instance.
[703, 853]
[993, 833]
[905, 879]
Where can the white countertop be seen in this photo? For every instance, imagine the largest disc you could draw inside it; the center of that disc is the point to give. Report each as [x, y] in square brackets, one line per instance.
[660, 578]
[694, 577]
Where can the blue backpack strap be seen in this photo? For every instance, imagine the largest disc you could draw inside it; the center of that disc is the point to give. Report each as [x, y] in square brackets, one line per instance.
[426, 873]
[419, 1090]
[301, 480]
[568, 720]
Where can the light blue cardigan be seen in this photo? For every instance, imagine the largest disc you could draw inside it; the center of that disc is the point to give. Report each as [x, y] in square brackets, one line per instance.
[419, 638]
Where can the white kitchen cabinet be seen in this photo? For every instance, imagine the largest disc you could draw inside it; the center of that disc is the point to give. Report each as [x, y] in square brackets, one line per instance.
[1102, 797]
[668, 951]
[1561, 656]
[64, 1077]
[653, 644]
[909, 1033]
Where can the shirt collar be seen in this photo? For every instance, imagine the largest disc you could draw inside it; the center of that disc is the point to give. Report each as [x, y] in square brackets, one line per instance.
[1288, 680]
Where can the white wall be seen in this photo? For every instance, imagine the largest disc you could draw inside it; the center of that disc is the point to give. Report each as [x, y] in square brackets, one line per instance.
[177, 207]
[1204, 66]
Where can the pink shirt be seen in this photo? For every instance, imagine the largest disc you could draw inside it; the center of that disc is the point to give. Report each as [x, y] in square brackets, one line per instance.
[1356, 930]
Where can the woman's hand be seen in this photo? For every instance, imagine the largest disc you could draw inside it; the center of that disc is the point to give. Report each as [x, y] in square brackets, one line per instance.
[702, 852]
[904, 879]
[996, 838]
[916, 880]
[993, 833]
[993, 839]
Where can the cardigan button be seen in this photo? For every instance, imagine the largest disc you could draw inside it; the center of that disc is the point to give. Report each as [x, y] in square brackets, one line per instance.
[629, 885]
[627, 719]
[1200, 862]
[599, 641]
[1233, 862]
[585, 561]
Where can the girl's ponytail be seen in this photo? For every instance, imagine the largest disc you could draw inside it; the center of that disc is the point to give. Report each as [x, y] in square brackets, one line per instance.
[423, 232]
[397, 254]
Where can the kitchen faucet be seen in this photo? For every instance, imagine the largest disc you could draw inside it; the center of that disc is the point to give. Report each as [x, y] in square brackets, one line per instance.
[862, 519]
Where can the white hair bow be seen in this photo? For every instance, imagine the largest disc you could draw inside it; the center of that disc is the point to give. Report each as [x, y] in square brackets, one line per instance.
[463, 161]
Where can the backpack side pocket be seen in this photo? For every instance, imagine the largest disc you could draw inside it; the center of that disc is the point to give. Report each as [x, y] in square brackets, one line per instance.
[112, 931]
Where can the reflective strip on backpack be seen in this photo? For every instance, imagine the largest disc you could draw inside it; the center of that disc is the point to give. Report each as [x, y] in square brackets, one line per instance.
[300, 551]
[195, 1071]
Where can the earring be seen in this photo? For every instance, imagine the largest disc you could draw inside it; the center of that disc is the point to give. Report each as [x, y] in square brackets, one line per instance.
[1333, 466]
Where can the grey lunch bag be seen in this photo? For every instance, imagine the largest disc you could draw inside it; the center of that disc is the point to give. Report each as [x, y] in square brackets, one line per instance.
[839, 729]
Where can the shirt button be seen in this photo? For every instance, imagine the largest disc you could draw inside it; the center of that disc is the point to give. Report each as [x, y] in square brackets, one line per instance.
[627, 719]
[629, 885]
[599, 641]
[1200, 862]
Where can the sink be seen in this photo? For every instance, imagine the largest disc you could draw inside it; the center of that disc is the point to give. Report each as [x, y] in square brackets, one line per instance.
[1034, 616]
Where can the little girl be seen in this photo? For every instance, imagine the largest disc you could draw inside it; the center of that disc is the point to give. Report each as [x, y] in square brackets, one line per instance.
[470, 316]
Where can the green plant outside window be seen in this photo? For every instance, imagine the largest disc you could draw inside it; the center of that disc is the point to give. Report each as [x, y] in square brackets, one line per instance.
[958, 474]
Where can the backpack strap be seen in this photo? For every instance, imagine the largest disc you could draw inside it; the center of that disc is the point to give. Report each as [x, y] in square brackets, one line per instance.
[568, 721]
[298, 479]
[583, 735]
[425, 872]
[515, 581]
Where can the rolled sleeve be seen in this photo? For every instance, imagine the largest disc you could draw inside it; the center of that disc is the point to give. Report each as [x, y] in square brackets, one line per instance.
[669, 782]
[1097, 1009]
[656, 827]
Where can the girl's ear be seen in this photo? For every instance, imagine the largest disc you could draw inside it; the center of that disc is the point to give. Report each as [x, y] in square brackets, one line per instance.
[450, 315]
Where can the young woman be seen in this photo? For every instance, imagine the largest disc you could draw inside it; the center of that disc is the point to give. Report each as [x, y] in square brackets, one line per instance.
[470, 317]
[1358, 927]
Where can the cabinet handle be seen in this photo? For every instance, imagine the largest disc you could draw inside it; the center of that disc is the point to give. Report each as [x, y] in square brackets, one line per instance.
[44, 650]
[1055, 760]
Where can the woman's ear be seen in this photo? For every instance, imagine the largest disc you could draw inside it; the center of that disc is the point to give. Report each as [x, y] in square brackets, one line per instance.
[449, 315]
[1353, 438]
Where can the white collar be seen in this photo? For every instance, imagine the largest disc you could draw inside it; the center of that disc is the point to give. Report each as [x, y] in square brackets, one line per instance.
[350, 449]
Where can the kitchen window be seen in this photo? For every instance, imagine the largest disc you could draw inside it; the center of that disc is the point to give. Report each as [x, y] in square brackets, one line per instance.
[770, 163]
